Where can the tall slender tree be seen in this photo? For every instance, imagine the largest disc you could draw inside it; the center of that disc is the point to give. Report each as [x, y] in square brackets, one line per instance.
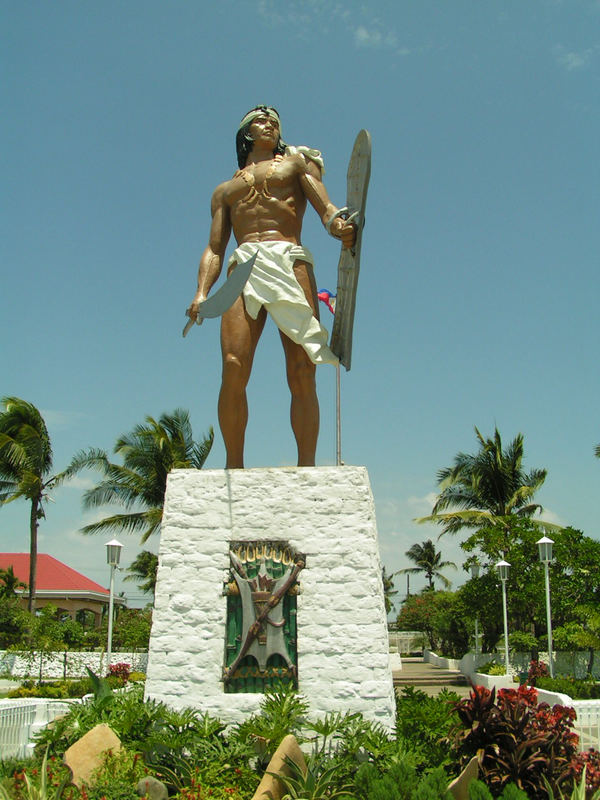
[26, 469]
[428, 561]
[149, 452]
[487, 488]
[388, 589]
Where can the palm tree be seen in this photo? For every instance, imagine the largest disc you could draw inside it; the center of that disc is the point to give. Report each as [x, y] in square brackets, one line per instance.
[428, 561]
[143, 570]
[149, 453]
[10, 584]
[388, 589]
[487, 488]
[25, 468]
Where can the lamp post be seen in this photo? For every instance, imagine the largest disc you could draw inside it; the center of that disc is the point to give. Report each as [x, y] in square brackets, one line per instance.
[503, 568]
[545, 550]
[474, 568]
[113, 556]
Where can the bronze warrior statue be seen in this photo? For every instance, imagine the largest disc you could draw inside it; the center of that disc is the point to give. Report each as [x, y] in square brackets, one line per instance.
[264, 204]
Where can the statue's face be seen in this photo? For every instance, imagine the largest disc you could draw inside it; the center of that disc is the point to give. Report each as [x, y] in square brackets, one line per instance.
[265, 130]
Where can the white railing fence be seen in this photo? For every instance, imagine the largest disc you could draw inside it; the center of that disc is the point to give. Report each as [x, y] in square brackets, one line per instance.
[20, 719]
[587, 723]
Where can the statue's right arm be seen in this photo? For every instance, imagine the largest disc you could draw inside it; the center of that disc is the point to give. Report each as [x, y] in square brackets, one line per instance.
[212, 258]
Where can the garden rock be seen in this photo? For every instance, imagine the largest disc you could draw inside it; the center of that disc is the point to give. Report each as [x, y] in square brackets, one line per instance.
[87, 753]
[270, 788]
[152, 788]
[460, 786]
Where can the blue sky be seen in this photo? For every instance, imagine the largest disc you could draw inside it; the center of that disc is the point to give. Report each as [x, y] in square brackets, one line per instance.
[478, 298]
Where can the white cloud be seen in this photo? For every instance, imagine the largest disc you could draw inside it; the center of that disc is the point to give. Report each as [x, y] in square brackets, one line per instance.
[61, 419]
[574, 60]
[375, 38]
[308, 16]
[77, 482]
[365, 38]
[421, 506]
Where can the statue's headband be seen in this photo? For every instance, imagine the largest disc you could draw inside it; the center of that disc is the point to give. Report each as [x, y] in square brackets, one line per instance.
[259, 112]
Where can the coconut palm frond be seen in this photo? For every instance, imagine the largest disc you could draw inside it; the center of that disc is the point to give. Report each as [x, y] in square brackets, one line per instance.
[485, 488]
[148, 452]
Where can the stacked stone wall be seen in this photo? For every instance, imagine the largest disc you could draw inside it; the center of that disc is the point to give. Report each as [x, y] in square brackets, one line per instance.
[65, 664]
[326, 513]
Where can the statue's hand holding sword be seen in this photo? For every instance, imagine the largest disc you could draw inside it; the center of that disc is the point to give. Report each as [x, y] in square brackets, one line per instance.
[223, 299]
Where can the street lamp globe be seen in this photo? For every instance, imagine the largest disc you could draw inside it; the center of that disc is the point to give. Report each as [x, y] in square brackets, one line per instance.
[545, 549]
[113, 553]
[503, 568]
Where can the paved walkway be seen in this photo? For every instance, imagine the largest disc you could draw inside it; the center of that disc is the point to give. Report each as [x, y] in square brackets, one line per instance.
[429, 679]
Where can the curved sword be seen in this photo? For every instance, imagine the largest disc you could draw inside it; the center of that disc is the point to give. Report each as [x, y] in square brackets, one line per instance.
[218, 303]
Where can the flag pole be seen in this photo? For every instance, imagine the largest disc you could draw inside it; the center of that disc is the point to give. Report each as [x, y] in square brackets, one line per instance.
[338, 420]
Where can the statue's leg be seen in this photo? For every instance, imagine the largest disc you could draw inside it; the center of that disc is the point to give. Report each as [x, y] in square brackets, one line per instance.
[239, 337]
[301, 378]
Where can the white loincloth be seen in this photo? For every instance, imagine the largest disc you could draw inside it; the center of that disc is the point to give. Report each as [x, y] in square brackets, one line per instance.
[273, 284]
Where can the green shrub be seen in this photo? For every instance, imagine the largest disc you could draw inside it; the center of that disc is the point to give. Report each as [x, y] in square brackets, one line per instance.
[117, 777]
[567, 637]
[282, 711]
[196, 791]
[320, 781]
[576, 689]
[185, 748]
[126, 713]
[400, 781]
[45, 779]
[485, 669]
[522, 641]
[423, 721]
[60, 689]
[479, 791]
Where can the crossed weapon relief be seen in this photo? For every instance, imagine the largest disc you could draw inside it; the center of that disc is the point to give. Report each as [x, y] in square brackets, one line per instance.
[262, 614]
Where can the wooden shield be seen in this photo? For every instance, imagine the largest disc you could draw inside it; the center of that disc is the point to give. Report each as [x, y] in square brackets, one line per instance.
[359, 172]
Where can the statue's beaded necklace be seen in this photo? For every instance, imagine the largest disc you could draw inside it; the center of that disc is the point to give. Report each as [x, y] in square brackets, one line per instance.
[248, 178]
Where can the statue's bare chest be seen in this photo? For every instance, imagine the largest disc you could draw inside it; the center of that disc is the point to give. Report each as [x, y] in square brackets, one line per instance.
[268, 180]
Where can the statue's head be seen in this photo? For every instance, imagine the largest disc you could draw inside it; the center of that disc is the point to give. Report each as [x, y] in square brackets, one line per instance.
[244, 141]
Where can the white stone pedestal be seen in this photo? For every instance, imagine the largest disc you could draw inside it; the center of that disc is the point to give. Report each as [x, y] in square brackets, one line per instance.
[328, 514]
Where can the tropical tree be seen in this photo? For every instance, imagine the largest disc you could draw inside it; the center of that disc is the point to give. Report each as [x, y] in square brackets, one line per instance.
[149, 452]
[574, 579]
[589, 634]
[15, 622]
[441, 616]
[143, 569]
[26, 468]
[428, 561]
[597, 451]
[9, 583]
[488, 488]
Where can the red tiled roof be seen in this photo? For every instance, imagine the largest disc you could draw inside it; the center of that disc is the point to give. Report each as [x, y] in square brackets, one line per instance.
[52, 575]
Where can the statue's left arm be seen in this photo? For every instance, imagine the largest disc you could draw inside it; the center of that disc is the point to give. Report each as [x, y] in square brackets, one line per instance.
[316, 194]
